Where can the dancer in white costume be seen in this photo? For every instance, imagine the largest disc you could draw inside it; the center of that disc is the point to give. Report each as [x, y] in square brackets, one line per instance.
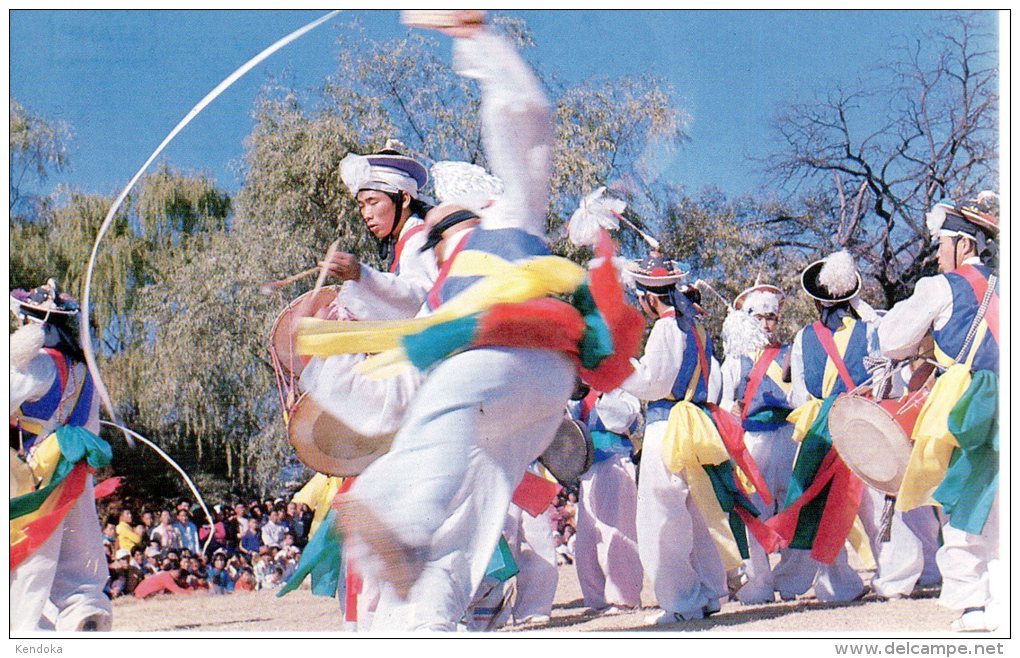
[606, 549]
[753, 389]
[534, 549]
[427, 515]
[959, 307]
[677, 553]
[59, 586]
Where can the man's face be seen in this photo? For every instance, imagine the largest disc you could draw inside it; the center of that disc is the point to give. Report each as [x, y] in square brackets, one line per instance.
[274, 516]
[947, 254]
[182, 517]
[378, 212]
[768, 322]
[164, 517]
[239, 510]
[147, 518]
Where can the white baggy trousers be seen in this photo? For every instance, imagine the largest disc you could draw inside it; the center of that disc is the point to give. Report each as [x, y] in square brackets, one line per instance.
[606, 548]
[677, 551]
[444, 488]
[68, 571]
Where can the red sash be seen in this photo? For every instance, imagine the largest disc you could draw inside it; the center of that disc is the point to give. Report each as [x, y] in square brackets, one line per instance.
[399, 249]
[444, 271]
[61, 363]
[979, 284]
[829, 345]
[732, 434]
[756, 377]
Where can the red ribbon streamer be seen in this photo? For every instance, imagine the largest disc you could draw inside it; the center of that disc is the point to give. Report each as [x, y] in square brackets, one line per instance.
[39, 530]
[732, 433]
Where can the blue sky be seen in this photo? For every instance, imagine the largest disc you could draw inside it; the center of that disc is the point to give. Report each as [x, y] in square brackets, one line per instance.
[123, 79]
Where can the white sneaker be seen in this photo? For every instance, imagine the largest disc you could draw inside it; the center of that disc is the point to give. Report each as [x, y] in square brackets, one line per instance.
[667, 617]
[975, 621]
[534, 619]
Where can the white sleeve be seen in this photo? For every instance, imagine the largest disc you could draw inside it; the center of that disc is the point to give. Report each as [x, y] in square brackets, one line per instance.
[730, 371]
[798, 391]
[656, 370]
[714, 381]
[517, 130]
[618, 410]
[373, 407]
[387, 296]
[902, 328]
[31, 383]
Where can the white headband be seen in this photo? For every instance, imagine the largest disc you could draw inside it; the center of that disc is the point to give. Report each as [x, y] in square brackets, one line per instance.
[358, 174]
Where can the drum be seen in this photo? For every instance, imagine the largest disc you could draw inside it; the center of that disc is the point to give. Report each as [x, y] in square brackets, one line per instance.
[873, 439]
[284, 331]
[326, 444]
[571, 452]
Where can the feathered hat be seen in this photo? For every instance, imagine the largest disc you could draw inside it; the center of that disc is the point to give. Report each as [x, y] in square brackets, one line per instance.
[980, 215]
[656, 273]
[833, 279]
[465, 184]
[761, 298]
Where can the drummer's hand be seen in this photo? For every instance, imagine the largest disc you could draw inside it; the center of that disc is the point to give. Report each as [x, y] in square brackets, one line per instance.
[343, 266]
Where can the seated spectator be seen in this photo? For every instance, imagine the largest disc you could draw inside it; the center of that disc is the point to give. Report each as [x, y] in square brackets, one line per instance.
[275, 578]
[127, 537]
[251, 541]
[110, 535]
[188, 531]
[153, 549]
[170, 581]
[272, 531]
[118, 584]
[166, 534]
[148, 522]
[246, 582]
[220, 580]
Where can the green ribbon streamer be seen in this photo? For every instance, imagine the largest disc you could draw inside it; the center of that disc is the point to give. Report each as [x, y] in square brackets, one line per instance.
[724, 484]
[815, 446]
[321, 559]
[972, 479]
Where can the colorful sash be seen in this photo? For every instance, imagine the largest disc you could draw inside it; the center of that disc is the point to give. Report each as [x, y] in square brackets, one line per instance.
[66, 459]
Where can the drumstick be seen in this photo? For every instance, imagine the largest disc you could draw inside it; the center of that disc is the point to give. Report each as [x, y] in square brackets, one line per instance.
[323, 272]
[270, 287]
[701, 282]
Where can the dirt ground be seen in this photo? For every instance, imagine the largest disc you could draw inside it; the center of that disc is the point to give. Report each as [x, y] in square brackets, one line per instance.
[301, 612]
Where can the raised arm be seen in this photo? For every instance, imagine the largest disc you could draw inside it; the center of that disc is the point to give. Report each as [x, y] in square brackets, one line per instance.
[517, 129]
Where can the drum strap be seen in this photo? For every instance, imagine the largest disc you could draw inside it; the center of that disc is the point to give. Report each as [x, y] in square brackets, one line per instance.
[984, 291]
[829, 345]
[756, 377]
[408, 234]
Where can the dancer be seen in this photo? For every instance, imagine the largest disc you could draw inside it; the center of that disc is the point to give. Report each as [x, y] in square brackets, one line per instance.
[426, 517]
[58, 566]
[676, 549]
[955, 459]
[754, 390]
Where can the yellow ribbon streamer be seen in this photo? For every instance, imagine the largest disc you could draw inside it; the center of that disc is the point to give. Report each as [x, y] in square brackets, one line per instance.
[933, 442]
[503, 283]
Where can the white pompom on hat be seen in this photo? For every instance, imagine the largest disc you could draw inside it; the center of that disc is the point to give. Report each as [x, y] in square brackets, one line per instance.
[760, 299]
[833, 279]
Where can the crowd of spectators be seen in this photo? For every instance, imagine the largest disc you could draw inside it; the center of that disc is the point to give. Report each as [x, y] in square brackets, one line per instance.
[253, 546]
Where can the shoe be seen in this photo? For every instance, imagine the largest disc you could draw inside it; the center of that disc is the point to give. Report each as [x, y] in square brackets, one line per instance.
[96, 622]
[534, 619]
[786, 596]
[711, 608]
[667, 617]
[973, 620]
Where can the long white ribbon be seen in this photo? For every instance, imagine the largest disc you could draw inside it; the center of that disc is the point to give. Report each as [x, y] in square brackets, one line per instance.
[177, 467]
[86, 336]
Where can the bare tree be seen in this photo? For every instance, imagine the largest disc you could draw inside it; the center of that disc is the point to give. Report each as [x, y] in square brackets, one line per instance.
[868, 164]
